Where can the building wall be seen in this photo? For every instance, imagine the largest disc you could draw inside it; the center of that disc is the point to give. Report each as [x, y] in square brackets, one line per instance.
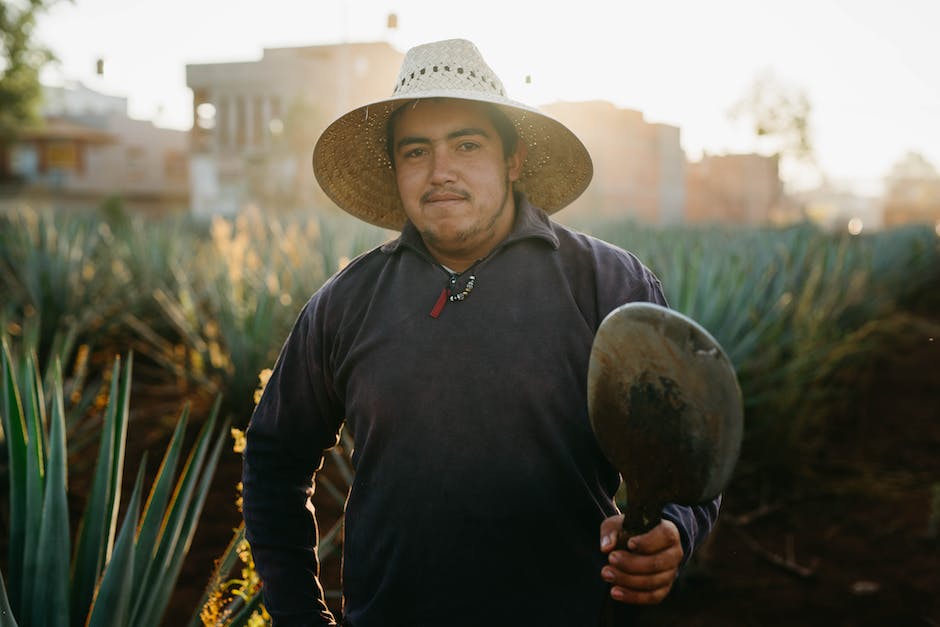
[256, 123]
[638, 167]
[90, 150]
[736, 189]
[671, 172]
[75, 99]
[146, 160]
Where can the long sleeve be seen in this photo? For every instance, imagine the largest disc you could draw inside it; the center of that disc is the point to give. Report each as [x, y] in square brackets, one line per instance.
[297, 418]
[695, 522]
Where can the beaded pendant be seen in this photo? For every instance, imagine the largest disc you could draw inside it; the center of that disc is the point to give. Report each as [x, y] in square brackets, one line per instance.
[448, 293]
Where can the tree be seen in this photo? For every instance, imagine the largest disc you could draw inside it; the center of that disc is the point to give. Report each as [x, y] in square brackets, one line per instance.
[915, 182]
[22, 59]
[913, 166]
[779, 115]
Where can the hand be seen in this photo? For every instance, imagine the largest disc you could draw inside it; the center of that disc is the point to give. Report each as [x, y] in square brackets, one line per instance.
[644, 574]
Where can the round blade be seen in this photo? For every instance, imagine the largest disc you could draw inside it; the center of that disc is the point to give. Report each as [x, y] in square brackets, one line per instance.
[665, 404]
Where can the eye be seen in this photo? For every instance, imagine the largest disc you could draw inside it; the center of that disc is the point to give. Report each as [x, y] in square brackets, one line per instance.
[468, 146]
[414, 153]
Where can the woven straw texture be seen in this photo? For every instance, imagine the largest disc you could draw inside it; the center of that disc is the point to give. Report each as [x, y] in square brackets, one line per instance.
[352, 166]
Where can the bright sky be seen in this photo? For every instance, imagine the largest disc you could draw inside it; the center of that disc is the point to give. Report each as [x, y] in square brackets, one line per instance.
[871, 68]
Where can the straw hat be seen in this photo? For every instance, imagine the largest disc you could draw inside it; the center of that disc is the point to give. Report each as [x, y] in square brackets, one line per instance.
[352, 166]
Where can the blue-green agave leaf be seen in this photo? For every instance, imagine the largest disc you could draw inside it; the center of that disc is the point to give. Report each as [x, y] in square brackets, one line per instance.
[50, 603]
[112, 601]
[14, 429]
[95, 534]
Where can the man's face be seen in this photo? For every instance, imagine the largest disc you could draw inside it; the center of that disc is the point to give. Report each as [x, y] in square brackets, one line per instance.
[453, 178]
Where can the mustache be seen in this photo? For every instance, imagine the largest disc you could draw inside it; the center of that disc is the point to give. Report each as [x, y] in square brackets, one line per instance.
[444, 191]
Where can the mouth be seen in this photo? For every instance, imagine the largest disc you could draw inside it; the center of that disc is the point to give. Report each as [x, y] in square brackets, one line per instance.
[441, 196]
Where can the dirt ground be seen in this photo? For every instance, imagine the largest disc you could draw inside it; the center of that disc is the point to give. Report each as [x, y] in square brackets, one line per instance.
[853, 552]
[864, 544]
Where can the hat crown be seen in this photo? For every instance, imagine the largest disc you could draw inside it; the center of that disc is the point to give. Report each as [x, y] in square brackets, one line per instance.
[451, 65]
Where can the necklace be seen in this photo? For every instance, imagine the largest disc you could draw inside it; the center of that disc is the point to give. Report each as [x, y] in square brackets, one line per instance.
[462, 294]
[449, 293]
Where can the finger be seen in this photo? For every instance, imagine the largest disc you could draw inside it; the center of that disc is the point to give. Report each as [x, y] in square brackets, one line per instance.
[610, 530]
[663, 536]
[639, 597]
[637, 583]
[639, 564]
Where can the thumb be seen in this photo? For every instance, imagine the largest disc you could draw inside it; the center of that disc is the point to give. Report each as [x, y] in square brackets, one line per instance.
[610, 531]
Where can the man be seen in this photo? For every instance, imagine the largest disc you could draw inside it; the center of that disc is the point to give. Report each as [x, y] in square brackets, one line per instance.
[457, 357]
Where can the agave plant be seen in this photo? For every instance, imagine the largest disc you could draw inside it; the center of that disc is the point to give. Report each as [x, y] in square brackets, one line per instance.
[117, 575]
[231, 303]
[783, 303]
[80, 385]
[58, 269]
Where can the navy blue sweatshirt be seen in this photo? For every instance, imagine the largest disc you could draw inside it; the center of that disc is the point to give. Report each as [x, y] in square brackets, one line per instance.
[479, 487]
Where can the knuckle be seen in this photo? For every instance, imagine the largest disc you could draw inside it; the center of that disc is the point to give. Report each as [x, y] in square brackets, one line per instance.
[620, 560]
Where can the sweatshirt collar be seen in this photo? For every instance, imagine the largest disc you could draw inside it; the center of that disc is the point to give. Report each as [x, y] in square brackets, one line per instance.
[530, 222]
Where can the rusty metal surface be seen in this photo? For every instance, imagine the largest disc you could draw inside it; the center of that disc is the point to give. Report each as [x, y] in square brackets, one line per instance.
[665, 406]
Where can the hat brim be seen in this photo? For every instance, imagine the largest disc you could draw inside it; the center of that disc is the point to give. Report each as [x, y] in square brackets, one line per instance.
[351, 163]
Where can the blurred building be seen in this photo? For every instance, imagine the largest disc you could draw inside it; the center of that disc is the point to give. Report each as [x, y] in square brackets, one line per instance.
[75, 100]
[639, 168]
[912, 192]
[256, 122]
[736, 189]
[87, 150]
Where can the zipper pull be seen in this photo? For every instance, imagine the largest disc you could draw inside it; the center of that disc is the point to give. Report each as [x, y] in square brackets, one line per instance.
[445, 294]
[439, 305]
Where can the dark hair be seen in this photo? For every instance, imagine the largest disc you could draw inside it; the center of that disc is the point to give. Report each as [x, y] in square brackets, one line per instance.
[500, 121]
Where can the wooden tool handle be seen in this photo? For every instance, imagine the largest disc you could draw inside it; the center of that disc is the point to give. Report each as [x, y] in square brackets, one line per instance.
[636, 521]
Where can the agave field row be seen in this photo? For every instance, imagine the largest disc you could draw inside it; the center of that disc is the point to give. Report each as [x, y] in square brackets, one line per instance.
[203, 306]
[206, 304]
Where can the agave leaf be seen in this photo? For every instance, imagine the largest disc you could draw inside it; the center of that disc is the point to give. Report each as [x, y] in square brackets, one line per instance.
[50, 602]
[112, 600]
[95, 531]
[148, 607]
[155, 507]
[327, 544]
[6, 614]
[35, 472]
[161, 349]
[81, 433]
[119, 439]
[63, 343]
[338, 495]
[340, 456]
[15, 433]
[176, 312]
[191, 513]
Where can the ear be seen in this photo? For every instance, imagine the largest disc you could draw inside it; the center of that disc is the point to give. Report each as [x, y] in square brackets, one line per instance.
[516, 159]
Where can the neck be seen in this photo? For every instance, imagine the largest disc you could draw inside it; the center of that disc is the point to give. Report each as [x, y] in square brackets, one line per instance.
[479, 244]
[460, 263]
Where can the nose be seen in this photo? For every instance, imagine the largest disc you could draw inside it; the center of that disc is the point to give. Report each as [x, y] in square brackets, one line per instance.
[442, 168]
